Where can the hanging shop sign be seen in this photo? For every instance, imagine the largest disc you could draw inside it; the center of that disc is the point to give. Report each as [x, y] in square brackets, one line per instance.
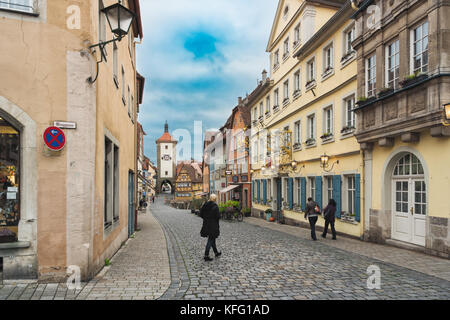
[54, 138]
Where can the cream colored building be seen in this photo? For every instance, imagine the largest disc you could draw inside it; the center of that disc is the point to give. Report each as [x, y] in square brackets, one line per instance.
[75, 206]
[305, 111]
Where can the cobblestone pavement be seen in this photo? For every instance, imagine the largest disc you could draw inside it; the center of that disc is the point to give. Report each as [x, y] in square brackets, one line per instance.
[140, 270]
[263, 263]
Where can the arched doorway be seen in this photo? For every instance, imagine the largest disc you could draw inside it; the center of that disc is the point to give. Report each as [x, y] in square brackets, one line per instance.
[166, 187]
[9, 181]
[409, 199]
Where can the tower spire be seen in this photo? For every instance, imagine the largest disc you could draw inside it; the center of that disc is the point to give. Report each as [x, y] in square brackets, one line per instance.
[166, 127]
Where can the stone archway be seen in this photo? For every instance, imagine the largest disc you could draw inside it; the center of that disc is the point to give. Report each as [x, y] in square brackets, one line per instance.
[166, 187]
[26, 266]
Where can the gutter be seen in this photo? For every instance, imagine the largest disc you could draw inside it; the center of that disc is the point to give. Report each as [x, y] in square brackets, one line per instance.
[403, 89]
[361, 8]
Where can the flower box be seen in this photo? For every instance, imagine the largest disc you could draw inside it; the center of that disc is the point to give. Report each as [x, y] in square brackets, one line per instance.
[7, 235]
[363, 101]
[310, 141]
[385, 91]
[310, 84]
[326, 136]
[411, 79]
[347, 129]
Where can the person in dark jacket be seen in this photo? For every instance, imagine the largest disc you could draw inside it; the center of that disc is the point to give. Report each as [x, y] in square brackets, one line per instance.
[311, 214]
[210, 229]
[329, 213]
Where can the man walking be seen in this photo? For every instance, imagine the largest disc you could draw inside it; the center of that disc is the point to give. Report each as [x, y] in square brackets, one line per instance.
[210, 229]
[311, 213]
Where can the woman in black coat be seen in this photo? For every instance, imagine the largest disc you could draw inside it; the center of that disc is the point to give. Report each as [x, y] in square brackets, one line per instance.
[329, 212]
[210, 229]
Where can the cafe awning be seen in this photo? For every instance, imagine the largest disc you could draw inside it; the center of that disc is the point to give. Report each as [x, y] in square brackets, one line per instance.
[229, 188]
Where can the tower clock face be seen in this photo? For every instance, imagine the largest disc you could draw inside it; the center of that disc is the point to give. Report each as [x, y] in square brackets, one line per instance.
[166, 157]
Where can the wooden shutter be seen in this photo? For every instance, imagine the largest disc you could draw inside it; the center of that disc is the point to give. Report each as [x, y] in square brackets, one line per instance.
[303, 192]
[318, 194]
[358, 197]
[291, 192]
[264, 191]
[337, 195]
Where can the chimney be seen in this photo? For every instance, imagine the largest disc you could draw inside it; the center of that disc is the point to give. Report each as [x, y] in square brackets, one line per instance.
[239, 100]
[264, 75]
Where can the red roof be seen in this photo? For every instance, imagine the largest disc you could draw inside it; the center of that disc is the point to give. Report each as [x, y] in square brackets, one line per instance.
[166, 137]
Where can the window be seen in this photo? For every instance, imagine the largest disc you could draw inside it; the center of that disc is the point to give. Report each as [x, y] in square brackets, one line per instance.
[115, 67]
[392, 64]
[269, 144]
[349, 105]
[123, 86]
[255, 116]
[311, 129]
[255, 152]
[297, 82]
[101, 23]
[276, 59]
[328, 121]
[371, 76]
[129, 102]
[18, 5]
[261, 110]
[111, 191]
[261, 149]
[311, 71]
[312, 187]
[287, 137]
[328, 58]
[297, 35]
[286, 47]
[268, 104]
[275, 98]
[349, 36]
[299, 191]
[419, 48]
[286, 91]
[297, 133]
[351, 190]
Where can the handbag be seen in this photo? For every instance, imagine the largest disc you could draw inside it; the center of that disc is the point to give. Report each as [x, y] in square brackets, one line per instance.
[317, 209]
[203, 232]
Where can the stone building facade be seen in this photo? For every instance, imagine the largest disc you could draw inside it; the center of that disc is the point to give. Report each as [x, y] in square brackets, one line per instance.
[403, 83]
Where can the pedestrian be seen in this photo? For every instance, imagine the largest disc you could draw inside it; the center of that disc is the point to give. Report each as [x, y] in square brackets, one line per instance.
[153, 199]
[210, 229]
[311, 213]
[328, 214]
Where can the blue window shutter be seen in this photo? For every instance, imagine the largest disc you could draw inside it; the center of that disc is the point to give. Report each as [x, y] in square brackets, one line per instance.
[253, 190]
[337, 195]
[265, 191]
[291, 193]
[358, 197]
[319, 191]
[303, 192]
[258, 193]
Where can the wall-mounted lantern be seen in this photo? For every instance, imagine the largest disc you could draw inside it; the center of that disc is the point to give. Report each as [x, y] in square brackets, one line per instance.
[296, 167]
[324, 163]
[119, 19]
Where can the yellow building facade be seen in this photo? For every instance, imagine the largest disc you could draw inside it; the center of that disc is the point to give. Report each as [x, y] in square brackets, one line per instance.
[303, 123]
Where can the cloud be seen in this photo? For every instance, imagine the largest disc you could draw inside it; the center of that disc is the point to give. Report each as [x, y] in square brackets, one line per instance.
[198, 56]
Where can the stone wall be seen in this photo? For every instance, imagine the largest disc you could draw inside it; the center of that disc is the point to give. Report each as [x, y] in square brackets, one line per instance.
[438, 239]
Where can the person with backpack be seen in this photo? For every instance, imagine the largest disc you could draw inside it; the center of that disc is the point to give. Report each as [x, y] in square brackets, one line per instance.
[311, 213]
[328, 214]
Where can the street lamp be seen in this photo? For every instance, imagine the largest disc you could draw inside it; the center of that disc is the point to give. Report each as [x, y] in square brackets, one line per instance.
[324, 163]
[295, 166]
[447, 111]
[119, 19]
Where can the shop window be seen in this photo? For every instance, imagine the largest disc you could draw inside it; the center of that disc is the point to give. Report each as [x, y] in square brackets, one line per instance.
[9, 181]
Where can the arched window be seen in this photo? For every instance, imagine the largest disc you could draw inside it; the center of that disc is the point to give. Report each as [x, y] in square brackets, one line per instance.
[408, 165]
[9, 181]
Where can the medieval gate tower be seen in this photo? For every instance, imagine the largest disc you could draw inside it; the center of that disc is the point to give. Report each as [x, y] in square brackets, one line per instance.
[167, 161]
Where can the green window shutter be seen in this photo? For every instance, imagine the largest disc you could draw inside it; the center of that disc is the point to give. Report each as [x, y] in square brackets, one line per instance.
[253, 190]
[303, 192]
[337, 195]
[319, 192]
[264, 191]
[358, 197]
[291, 193]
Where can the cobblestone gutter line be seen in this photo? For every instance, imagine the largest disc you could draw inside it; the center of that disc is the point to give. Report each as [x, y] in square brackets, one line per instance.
[179, 275]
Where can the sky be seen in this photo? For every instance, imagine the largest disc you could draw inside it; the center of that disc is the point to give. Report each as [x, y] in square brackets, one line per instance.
[198, 57]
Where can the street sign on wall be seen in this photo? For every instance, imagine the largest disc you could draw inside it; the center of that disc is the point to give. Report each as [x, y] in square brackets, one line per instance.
[54, 138]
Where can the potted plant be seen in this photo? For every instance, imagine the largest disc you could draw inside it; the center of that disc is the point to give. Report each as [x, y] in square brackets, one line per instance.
[347, 129]
[310, 83]
[297, 145]
[326, 136]
[413, 78]
[385, 91]
[364, 100]
[7, 235]
[310, 141]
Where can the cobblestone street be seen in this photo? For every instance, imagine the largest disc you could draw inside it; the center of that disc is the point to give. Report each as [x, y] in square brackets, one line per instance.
[260, 260]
